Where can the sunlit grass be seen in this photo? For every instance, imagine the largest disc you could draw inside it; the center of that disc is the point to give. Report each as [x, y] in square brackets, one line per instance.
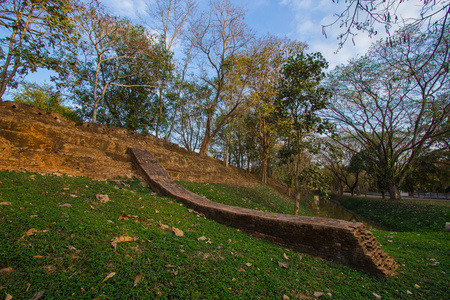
[69, 255]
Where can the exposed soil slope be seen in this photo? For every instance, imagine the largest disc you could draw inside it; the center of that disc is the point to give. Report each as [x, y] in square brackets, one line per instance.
[36, 141]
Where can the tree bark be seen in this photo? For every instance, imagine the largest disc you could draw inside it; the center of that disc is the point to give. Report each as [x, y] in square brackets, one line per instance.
[264, 163]
[297, 203]
[394, 193]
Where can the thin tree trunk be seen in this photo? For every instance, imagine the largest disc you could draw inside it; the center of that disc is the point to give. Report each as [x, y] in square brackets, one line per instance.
[297, 203]
[227, 150]
[264, 163]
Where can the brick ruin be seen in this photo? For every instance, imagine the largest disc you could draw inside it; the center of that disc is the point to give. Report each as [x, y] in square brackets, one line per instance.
[344, 242]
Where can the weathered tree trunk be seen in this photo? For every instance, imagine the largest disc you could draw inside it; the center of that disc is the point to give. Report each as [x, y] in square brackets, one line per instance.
[394, 193]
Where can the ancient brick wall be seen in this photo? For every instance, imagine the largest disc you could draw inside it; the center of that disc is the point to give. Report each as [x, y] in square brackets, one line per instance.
[344, 242]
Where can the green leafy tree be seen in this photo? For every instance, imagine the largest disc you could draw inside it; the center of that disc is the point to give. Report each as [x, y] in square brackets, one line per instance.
[344, 165]
[394, 103]
[301, 98]
[43, 97]
[109, 53]
[133, 102]
[32, 30]
[267, 57]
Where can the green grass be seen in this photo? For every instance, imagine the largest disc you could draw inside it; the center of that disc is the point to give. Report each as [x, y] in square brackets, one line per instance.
[260, 197]
[401, 215]
[71, 254]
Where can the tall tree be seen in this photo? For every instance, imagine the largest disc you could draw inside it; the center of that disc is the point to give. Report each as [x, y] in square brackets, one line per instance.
[218, 35]
[190, 121]
[394, 102]
[267, 57]
[170, 19]
[134, 103]
[301, 98]
[344, 165]
[33, 29]
[108, 44]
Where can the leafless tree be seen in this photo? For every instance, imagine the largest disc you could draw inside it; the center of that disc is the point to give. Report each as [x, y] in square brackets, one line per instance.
[170, 18]
[218, 35]
[363, 15]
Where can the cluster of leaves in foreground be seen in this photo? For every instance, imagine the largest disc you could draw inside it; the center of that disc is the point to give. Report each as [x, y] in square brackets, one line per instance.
[69, 254]
[400, 215]
[260, 197]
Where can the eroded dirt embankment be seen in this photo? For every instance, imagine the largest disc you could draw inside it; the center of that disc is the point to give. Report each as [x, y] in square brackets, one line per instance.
[36, 141]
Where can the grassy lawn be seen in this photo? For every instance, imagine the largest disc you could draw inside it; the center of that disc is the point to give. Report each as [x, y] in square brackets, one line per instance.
[56, 240]
[261, 197]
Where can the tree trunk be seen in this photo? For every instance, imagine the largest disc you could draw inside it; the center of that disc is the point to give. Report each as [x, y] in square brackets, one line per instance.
[227, 148]
[297, 203]
[204, 147]
[94, 113]
[341, 188]
[394, 193]
[264, 163]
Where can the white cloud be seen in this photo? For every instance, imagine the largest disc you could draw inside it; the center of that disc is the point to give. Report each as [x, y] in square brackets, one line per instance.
[126, 8]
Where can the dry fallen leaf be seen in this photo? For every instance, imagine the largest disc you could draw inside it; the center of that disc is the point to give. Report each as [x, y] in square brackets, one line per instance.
[318, 294]
[285, 256]
[136, 280]
[202, 238]
[417, 286]
[178, 232]
[248, 265]
[124, 217]
[31, 231]
[7, 270]
[37, 295]
[170, 266]
[65, 205]
[8, 297]
[283, 265]
[109, 276]
[376, 295]
[5, 203]
[38, 256]
[121, 239]
[102, 198]
[409, 292]
[163, 226]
